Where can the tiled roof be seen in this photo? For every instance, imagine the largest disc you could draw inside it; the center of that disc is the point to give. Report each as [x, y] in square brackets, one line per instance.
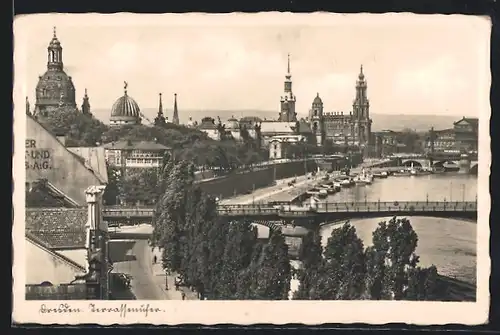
[58, 228]
[470, 120]
[134, 145]
[48, 248]
[277, 127]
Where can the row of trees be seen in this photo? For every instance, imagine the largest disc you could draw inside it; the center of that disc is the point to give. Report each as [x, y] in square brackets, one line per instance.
[220, 259]
[345, 270]
[225, 260]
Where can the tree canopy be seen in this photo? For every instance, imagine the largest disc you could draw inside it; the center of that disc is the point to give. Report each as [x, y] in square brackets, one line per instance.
[187, 143]
[220, 259]
[387, 270]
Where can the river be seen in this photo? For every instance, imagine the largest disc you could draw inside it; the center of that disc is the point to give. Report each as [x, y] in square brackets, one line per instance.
[448, 244]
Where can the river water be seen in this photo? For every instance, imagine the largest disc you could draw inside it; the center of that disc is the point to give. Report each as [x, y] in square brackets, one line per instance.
[448, 244]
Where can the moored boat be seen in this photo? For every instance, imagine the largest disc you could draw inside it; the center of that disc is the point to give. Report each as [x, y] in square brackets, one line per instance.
[382, 174]
[347, 183]
[402, 173]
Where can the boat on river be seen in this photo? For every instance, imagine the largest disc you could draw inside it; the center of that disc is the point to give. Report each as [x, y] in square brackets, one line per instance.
[349, 182]
[402, 173]
[382, 174]
[318, 192]
[330, 189]
[363, 178]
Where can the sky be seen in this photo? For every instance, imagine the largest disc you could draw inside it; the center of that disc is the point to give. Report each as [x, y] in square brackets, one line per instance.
[413, 64]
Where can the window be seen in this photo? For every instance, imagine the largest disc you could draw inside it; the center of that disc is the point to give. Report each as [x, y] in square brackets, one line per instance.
[275, 147]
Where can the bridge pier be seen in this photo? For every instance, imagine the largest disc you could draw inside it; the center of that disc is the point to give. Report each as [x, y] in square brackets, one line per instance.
[464, 165]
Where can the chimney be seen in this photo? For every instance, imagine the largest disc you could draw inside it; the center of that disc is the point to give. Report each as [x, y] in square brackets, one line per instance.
[61, 137]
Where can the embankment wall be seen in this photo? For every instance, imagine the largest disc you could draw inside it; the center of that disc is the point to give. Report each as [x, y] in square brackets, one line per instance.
[244, 182]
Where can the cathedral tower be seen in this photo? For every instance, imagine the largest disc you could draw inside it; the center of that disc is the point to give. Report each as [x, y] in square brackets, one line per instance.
[287, 110]
[55, 88]
[317, 121]
[361, 112]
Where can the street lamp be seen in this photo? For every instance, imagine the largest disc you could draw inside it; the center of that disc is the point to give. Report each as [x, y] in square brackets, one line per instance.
[451, 190]
[463, 192]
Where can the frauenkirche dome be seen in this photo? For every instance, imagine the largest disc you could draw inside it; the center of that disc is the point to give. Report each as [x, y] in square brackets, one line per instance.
[125, 110]
[55, 88]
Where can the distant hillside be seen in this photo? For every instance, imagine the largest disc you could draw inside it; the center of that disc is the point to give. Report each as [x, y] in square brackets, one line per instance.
[380, 121]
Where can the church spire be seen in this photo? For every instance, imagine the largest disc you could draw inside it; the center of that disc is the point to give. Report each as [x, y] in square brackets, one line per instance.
[160, 120]
[54, 50]
[86, 104]
[175, 117]
[288, 68]
[287, 110]
[160, 106]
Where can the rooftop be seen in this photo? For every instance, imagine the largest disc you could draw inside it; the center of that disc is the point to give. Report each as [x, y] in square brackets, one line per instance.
[57, 227]
[135, 145]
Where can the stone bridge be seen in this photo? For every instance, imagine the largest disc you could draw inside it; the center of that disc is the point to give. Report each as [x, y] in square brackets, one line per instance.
[322, 213]
[465, 163]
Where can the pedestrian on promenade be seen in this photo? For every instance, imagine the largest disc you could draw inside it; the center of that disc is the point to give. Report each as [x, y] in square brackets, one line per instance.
[183, 296]
[154, 259]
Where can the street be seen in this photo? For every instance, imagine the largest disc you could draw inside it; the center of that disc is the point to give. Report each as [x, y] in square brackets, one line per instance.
[133, 257]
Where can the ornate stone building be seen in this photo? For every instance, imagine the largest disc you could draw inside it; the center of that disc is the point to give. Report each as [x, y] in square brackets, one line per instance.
[353, 128]
[316, 118]
[125, 111]
[55, 88]
[287, 110]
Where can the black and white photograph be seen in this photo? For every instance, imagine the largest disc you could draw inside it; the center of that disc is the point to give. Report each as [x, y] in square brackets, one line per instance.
[312, 158]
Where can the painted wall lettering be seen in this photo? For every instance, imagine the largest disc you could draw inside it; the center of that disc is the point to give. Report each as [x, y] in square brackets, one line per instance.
[37, 158]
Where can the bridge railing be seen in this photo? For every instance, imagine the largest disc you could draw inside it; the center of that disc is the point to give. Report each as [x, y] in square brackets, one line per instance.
[329, 207]
[391, 206]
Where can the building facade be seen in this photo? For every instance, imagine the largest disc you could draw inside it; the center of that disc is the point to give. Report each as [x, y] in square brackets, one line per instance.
[279, 146]
[462, 138]
[135, 154]
[467, 134]
[353, 128]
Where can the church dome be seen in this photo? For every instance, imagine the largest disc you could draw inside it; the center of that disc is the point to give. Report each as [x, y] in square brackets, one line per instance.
[317, 100]
[125, 110]
[55, 88]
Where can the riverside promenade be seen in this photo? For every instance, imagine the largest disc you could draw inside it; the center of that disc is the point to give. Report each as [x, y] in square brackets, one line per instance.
[279, 192]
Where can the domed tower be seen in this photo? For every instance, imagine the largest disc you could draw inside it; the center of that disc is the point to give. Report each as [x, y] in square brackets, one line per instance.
[361, 112]
[317, 121]
[287, 101]
[233, 126]
[125, 111]
[55, 88]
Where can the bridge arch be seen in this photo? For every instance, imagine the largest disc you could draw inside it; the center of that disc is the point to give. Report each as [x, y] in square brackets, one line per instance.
[410, 162]
[441, 163]
[473, 169]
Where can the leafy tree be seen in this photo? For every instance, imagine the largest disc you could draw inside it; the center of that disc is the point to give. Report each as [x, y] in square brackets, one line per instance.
[112, 191]
[272, 280]
[39, 195]
[80, 129]
[170, 217]
[410, 139]
[139, 186]
[241, 239]
[391, 261]
[344, 265]
[311, 255]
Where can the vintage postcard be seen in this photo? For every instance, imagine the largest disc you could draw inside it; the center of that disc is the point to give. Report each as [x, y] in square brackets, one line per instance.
[251, 168]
